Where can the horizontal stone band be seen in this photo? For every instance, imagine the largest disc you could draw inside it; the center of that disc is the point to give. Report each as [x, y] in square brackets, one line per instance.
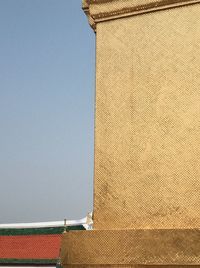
[131, 247]
[101, 10]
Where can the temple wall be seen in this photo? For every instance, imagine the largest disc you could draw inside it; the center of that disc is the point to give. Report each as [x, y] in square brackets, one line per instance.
[147, 137]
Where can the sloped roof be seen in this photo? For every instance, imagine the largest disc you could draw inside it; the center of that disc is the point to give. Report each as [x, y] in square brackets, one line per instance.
[37, 245]
[32, 247]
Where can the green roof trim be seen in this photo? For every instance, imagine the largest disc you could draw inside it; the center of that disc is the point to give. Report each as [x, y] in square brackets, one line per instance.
[28, 261]
[39, 231]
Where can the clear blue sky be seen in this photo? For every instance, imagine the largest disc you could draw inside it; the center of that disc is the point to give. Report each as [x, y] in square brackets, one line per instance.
[47, 67]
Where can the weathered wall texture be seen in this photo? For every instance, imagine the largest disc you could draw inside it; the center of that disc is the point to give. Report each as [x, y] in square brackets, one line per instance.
[132, 247]
[147, 137]
[147, 140]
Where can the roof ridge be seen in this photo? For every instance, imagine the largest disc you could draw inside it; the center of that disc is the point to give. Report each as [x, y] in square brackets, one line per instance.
[47, 224]
[39, 231]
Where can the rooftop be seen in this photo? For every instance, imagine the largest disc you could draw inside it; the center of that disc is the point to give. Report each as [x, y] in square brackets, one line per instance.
[34, 243]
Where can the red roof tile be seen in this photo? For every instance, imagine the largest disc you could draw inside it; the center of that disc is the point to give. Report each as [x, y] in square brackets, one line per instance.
[30, 246]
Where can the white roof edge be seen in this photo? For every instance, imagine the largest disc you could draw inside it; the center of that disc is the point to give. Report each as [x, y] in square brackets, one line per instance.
[44, 224]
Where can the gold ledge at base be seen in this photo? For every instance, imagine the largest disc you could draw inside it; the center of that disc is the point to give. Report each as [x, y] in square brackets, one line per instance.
[132, 266]
[103, 10]
[131, 247]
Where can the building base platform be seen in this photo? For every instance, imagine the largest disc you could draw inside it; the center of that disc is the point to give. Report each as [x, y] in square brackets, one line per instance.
[131, 248]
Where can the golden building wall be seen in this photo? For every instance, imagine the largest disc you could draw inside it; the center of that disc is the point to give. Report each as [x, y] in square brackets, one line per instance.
[147, 138]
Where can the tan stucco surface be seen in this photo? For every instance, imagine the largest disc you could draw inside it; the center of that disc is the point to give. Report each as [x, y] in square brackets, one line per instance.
[147, 139]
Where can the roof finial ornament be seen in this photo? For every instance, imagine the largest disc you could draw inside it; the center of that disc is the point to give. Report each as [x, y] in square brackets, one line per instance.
[65, 226]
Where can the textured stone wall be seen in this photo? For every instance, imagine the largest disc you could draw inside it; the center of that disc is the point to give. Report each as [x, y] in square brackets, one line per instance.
[147, 140]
